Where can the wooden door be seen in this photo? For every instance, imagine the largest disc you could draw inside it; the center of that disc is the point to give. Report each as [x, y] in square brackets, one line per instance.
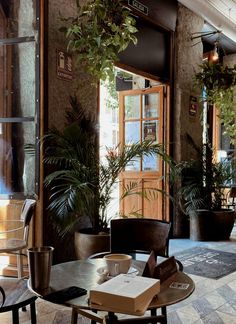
[144, 116]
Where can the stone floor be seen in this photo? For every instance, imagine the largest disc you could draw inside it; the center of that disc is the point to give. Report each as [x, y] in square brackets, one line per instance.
[213, 301]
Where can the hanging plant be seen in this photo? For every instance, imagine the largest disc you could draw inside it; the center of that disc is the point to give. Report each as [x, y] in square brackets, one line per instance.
[102, 29]
[218, 82]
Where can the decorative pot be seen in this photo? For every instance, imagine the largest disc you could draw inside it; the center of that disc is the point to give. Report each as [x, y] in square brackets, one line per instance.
[223, 223]
[201, 225]
[206, 225]
[87, 243]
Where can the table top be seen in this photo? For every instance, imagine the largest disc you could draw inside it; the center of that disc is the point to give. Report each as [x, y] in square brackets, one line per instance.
[84, 274]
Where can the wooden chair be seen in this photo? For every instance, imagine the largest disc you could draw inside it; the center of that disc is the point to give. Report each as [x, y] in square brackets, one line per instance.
[14, 245]
[141, 236]
[138, 236]
[16, 295]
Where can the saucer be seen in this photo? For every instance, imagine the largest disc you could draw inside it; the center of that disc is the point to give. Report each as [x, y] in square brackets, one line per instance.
[103, 272]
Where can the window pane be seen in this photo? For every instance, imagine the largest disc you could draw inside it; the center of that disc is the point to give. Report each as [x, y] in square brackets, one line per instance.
[132, 107]
[151, 105]
[17, 167]
[19, 67]
[22, 17]
[132, 132]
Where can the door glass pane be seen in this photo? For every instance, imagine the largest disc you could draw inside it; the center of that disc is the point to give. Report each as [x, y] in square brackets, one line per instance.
[150, 131]
[20, 95]
[21, 14]
[150, 163]
[132, 132]
[132, 107]
[151, 105]
[134, 165]
[17, 167]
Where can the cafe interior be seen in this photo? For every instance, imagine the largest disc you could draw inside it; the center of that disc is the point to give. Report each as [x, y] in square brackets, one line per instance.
[117, 139]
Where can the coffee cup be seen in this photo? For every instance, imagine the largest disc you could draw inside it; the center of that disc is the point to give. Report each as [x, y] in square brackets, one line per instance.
[117, 263]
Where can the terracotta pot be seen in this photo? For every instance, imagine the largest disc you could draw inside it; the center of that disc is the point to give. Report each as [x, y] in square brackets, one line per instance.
[87, 243]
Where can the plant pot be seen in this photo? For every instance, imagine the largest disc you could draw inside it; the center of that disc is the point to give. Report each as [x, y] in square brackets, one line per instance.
[201, 225]
[87, 243]
[223, 221]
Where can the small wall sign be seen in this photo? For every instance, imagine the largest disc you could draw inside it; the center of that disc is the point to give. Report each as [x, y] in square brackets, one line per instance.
[64, 66]
[138, 6]
[193, 104]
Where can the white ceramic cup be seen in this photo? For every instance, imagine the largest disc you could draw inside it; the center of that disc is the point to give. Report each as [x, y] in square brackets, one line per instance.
[117, 263]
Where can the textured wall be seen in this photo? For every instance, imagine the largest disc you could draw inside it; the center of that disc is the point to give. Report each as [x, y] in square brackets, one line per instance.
[60, 90]
[187, 59]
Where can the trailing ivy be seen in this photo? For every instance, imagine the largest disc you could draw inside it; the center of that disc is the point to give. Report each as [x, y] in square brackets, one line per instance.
[219, 82]
[101, 30]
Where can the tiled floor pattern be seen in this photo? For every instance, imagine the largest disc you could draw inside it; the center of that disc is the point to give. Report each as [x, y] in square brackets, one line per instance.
[213, 301]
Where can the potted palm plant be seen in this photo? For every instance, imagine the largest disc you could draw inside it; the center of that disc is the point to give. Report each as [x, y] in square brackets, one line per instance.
[202, 196]
[80, 185]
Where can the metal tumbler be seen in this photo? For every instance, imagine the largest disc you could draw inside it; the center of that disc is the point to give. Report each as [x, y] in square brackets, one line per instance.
[40, 262]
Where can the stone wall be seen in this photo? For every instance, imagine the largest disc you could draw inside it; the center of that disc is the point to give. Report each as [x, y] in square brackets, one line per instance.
[188, 56]
[60, 90]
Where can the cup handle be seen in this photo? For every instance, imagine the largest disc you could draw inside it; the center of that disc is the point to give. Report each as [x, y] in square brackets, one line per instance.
[117, 268]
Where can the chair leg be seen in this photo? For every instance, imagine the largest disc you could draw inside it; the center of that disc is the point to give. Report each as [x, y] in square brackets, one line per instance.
[74, 316]
[33, 313]
[164, 313]
[20, 264]
[15, 316]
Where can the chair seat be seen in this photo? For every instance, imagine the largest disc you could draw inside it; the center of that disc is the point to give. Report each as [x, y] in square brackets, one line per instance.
[8, 245]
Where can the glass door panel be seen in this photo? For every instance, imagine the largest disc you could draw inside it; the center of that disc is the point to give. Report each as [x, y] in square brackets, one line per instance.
[132, 107]
[151, 105]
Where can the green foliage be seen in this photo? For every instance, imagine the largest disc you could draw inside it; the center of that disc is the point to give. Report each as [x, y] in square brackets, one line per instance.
[204, 182]
[102, 29]
[219, 82]
[81, 185]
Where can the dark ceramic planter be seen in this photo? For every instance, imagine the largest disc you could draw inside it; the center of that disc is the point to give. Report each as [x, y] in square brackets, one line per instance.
[223, 224]
[206, 225]
[201, 225]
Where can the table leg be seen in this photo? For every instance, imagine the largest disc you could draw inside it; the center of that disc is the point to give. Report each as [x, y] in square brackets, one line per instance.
[111, 318]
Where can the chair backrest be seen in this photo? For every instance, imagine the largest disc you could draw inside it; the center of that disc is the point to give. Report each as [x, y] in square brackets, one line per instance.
[140, 235]
[27, 212]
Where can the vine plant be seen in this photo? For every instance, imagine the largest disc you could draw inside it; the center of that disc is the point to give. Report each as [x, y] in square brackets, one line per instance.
[101, 30]
[219, 82]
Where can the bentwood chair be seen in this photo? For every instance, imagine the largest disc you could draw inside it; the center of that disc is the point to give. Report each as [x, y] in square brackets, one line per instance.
[10, 243]
[16, 295]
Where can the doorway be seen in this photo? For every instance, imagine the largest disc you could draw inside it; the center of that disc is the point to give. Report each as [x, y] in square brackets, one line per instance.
[134, 109]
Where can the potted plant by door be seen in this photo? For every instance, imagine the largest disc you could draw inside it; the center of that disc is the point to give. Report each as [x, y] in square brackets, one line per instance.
[80, 185]
[202, 196]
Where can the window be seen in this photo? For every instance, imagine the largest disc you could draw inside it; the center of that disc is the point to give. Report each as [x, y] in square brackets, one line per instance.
[19, 97]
